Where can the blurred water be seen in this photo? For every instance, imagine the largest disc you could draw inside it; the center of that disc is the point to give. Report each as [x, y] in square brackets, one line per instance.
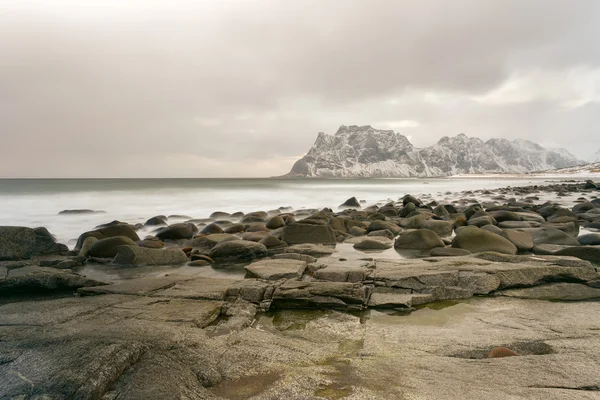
[37, 202]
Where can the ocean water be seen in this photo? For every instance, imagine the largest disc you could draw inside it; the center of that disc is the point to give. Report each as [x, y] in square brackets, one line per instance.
[37, 202]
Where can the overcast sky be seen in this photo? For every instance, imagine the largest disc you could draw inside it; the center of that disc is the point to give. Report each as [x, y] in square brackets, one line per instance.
[173, 88]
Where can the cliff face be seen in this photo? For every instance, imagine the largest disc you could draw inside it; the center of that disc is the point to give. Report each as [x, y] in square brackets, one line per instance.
[362, 151]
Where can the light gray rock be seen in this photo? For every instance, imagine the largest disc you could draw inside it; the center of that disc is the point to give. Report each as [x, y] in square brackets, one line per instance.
[295, 256]
[37, 280]
[298, 294]
[554, 291]
[276, 269]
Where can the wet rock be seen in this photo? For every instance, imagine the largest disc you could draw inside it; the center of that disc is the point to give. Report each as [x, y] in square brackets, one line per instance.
[237, 250]
[198, 263]
[547, 249]
[477, 240]
[493, 229]
[255, 236]
[151, 242]
[419, 239]
[591, 239]
[356, 231]
[503, 215]
[274, 270]
[135, 255]
[298, 233]
[184, 230]
[481, 221]
[107, 248]
[235, 228]
[410, 199]
[352, 202]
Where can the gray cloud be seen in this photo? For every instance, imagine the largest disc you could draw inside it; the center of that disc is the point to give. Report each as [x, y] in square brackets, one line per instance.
[240, 88]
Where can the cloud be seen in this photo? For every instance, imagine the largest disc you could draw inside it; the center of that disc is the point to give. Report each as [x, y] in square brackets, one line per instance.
[234, 82]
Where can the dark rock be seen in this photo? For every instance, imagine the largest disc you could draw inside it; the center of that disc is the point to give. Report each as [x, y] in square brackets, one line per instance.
[383, 233]
[410, 199]
[297, 233]
[183, 230]
[45, 243]
[591, 239]
[548, 235]
[109, 230]
[211, 228]
[237, 250]
[235, 228]
[272, 242]
[379, 225]
[589, 253]
[16, 242]
[420, 239]
[275, 222]
[351, 202]
[158, 220]
[80, 211]
[107, 248]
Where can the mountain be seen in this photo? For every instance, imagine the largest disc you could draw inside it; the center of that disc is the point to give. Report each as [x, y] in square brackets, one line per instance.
[362, 151]
[595, 157]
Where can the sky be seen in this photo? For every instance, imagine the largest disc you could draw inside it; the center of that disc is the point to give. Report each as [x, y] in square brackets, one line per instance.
[198, 88]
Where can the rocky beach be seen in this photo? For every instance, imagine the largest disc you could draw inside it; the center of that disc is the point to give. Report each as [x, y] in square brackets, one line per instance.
[484, 293]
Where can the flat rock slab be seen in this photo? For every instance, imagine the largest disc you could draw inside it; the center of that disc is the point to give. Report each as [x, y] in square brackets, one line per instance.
[298, 294]
[199, 288]
[310, 249]
[397, 299]
[343, 273]
[33, 279]
[139, 286]
[555, 291]
[273, 270]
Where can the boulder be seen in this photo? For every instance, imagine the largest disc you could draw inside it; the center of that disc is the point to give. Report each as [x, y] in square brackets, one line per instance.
[357, 231]
[158, 220]
[85, 247]
[254, 236]
[235, 228]
[478, 240]
[275, 222]
[135, 255]
[207, 242]
[109, 230]
[383, 233]
[33, 280]
[45, 244]
[590, 239]
[210, 229]
[419, 239]
[520, 238]
[410, 199]
[481, 221]
[374, 243]
[549, 235]
[589, 253]
[297, 233]
[183, 230]
[378, 225]
[237, 250]
[442, 228]
[503, 215]
[271, 242]
[352, 202]
[16, 242]
[107, 248]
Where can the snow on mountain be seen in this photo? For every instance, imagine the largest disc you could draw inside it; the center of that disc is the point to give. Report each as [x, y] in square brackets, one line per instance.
[362, 151]
[595, 157]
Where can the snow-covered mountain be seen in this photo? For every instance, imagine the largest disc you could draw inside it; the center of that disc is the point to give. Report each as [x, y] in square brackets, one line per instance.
[362, 151]
[595, 157]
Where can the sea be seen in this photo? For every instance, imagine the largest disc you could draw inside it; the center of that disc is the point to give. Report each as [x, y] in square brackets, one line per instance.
[37, 202]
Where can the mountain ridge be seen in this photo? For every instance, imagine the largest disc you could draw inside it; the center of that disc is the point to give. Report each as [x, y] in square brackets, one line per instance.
[365, 152]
